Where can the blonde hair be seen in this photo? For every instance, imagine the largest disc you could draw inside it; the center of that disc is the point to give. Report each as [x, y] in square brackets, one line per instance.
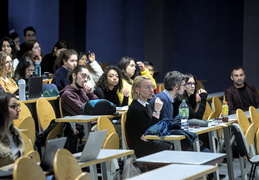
[3, 56]
[136, 84]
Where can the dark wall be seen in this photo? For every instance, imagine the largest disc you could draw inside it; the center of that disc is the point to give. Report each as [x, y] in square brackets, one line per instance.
[204, 38]
[4, 19]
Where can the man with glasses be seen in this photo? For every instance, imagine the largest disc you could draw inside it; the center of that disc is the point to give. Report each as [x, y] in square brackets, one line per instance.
[29, 33]
[241, 94]
[175, 85]
[73, 96]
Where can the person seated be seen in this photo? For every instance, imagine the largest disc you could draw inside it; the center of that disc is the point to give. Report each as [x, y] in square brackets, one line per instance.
[6, 71]
[74, 95]
[127, 65]
[241, 94]
[33, 51]
[93, 66]
[140, 116]
[67, 62]
[190, 96]
[175, 86]
[150, 67]
[7, 45]
[109, 84]
[48, 61]
[16, 39]
[11, 143]
[25, 69]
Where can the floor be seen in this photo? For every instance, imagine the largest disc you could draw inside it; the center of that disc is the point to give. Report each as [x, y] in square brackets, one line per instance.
[237, 173]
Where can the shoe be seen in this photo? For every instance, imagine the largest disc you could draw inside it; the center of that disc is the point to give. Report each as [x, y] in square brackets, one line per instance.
[222, 176]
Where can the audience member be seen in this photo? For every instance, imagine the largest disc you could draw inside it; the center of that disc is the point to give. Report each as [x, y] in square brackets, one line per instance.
[190, 96]
[7, 45]
[109, 86]
[33, 50]
[68, 61]
[150, 67]
[6, 71]
[48, 61]
[16, 39]
[74, 95]
[127, 65]
[25, 69]
[175, 85]
[142, 115]
[11, 144]
[241, 94]
[93, 66]
[29, 33]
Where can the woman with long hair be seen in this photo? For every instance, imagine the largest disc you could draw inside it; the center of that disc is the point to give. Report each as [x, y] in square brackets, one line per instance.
[11, 143]
[109, 84]
[6, 71]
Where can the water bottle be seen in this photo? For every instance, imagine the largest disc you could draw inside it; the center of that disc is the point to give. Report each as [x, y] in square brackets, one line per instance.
[225, 112]
[184, 114]
[38, 68]
[22, 87]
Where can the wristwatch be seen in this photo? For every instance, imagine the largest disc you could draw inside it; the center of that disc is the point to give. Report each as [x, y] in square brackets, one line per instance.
[158, 112]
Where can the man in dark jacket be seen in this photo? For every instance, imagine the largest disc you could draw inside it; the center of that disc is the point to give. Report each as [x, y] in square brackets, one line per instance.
[241, 95]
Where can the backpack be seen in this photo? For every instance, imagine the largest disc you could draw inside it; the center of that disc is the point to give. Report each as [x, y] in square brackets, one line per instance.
[99, 107]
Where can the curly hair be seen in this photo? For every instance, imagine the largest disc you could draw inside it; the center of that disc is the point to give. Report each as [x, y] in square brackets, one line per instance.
[3, 72]
[103, 83]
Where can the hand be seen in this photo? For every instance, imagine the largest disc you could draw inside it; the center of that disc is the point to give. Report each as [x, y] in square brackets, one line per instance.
[141, 66]
[87, 88]
[202, 91]
[158, 104]
[91, 56]
[143, 138]
[125, 92]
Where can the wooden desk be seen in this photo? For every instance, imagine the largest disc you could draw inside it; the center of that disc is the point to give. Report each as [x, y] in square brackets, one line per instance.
[177, 172]
[104, 158]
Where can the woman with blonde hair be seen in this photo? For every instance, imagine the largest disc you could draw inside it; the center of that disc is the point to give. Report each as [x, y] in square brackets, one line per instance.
[6, 71]
[141, 115]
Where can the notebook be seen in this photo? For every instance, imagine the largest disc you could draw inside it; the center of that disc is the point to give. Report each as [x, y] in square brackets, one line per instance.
[34, 87]
[92, 146]
[48, 156]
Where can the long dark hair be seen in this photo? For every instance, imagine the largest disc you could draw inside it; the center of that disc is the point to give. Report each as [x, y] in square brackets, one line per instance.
[20, 71]
[192, 98]
[122, 65]
[5, 98]
[12, 45]
[102, 82]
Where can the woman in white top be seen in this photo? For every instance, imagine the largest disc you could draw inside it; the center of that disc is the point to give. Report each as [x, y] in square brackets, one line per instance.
[11, 143]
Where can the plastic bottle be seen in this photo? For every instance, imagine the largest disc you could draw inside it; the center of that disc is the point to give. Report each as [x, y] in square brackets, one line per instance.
[22, 86]
[38, 68]
[225, 112]
[184, 114]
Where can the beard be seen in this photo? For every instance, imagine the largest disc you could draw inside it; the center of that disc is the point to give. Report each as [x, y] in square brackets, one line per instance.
[78, 86]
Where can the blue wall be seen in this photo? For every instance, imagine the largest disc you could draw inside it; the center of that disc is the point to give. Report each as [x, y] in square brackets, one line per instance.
[204, 38]
[43, 15]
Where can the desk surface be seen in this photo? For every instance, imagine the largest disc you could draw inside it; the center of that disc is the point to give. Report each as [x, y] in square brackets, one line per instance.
[34, 100]
[85, 118]
[198, 131]
[182, 157]
[217, 94]
[178, 171]
[106, 155]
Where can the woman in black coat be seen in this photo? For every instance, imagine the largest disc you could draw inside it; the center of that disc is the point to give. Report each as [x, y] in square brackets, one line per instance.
[142, 115]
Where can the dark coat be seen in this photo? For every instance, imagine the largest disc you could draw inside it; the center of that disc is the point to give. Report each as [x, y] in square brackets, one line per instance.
[138, 120]
[234, 100]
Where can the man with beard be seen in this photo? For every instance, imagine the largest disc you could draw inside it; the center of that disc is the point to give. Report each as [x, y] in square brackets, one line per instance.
[175, 85]
[242, 94]
[77, 93]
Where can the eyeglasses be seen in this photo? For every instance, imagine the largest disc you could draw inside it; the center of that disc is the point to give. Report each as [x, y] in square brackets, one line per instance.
[15, 106]
[191, 83]
[84, 76]
[30, 70]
